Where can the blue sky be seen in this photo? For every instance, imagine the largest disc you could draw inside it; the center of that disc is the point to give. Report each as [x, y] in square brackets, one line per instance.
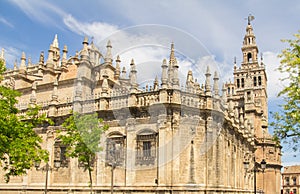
[214, 28]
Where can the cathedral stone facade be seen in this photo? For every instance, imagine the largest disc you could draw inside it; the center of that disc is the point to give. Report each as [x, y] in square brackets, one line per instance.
[163, 138]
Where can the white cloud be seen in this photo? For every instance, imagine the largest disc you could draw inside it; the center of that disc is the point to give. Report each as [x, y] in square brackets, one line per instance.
[41, 11]
[4, 21]
[148, 45]
[98, 30]
[10, 55]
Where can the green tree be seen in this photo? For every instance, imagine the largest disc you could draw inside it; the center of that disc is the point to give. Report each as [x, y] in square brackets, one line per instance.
[19, 144]
[82, 134]
[287, 121]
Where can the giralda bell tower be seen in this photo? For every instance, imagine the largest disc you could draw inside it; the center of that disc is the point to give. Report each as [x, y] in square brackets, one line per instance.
[249, 94]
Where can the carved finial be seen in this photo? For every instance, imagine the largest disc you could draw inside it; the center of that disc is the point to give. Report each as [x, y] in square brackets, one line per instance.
[23, 56]
[216, 84]
[108, 56]
[64, 57]
[132, 62]
[65, 48]
[84, 53]
[123, 76]
[164, 76]
[108, 43]
[85, 40]
[42, 58]
[172, 54]
[55, 42]
[117, 71]
[173, 69]
[29, 62]
[15, 65]
[207, 82]
[50, 62]
[118, 59]
[23, 62]
[208, 70]
[133, 79]
[155, 84]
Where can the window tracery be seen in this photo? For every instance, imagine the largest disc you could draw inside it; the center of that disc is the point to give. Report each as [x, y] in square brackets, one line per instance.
[115, 150]
[146, 148]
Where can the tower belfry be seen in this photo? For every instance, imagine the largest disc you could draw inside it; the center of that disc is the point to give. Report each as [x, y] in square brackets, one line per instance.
[250, 80]
[249, 48]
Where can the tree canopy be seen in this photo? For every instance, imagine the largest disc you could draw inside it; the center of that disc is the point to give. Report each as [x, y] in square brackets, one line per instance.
[19, 144]
[82, 136]
[287, 121]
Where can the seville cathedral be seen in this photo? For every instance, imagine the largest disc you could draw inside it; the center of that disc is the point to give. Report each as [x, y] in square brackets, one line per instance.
[166, 137]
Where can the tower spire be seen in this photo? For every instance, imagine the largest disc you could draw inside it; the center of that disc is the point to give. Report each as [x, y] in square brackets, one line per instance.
[64, 57]
[249, 48]
[207, 82]
[133, 79]
[50, 62]
[118, 70]
[23, 67]
[216, 84]
[164, 76]
[172, 54]
[55, 42]
[173, 68]
[84, 52]
[108, 56]
[15, 65]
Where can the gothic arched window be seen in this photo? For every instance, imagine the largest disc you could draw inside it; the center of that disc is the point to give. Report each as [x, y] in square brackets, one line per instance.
[115, 149]
[254, 81]
[238, 83]
[146, 143]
